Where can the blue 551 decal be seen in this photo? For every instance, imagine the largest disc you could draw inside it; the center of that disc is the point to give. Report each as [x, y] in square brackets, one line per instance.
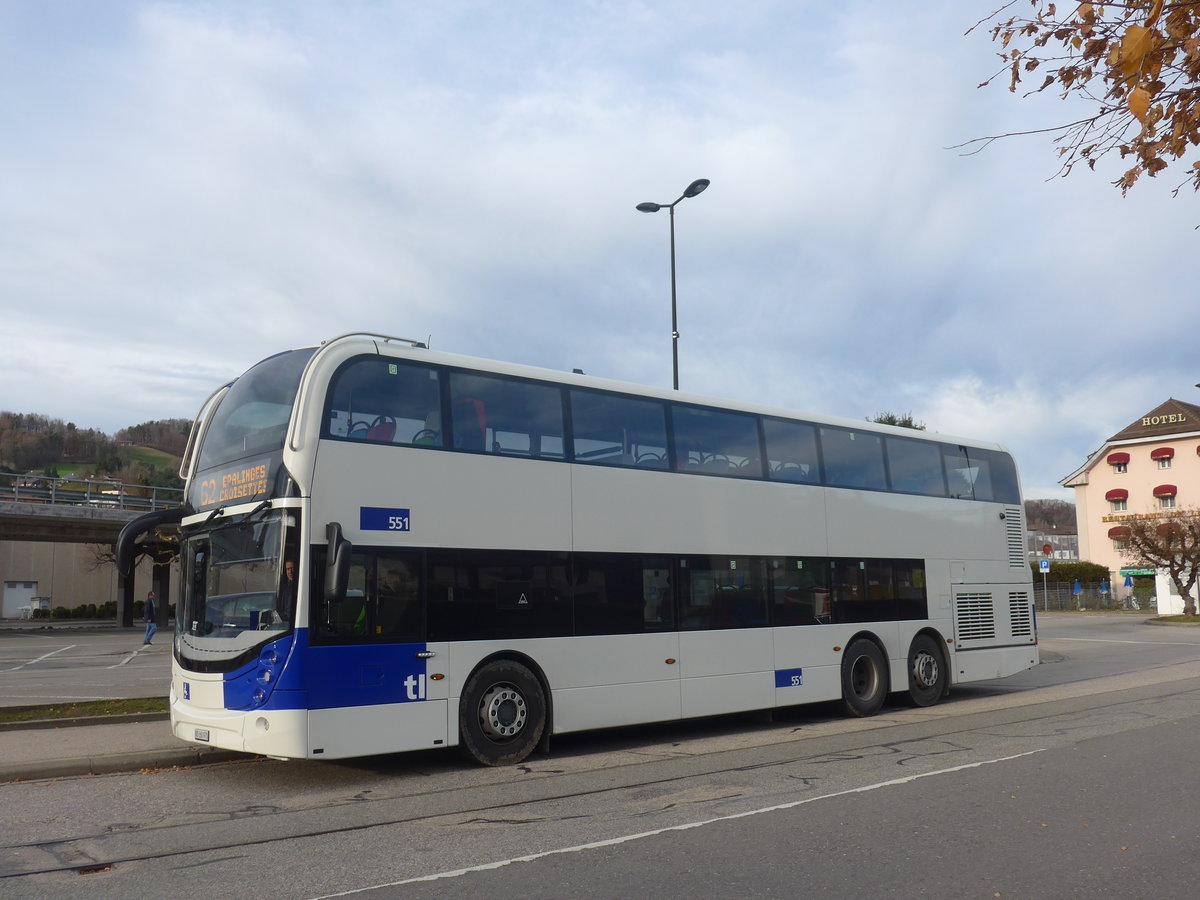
[789, 677]
[375, 518]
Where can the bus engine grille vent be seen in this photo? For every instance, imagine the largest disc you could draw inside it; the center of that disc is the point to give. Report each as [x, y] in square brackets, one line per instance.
[975, 617]
[1020, 613]
[1015, 528]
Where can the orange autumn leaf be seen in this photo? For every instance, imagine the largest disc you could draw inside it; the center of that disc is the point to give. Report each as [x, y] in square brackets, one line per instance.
[1139, 103]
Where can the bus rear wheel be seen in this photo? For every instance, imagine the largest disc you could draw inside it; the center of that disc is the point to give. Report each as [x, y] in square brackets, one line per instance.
[926, 671]
[864, 678]
[502, 713]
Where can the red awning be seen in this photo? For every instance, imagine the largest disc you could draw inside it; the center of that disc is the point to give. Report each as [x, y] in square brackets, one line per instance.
[1162, 453]
[1117, 532]
[1165, 490]
[1117, 494]
[1115, 458]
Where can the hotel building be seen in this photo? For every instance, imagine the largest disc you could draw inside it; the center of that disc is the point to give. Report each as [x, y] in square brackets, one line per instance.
[1150, 466]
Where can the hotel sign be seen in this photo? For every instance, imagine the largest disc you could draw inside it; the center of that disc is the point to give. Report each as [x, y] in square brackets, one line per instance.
[1127, 517]
[1172, 419]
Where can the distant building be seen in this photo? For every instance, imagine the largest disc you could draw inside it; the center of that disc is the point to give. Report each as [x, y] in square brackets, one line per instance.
[1064, 547]
[1148, 467]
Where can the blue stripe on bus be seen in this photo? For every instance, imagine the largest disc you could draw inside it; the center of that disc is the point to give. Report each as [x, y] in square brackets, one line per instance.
[789, 677]
[291, 674]
[364, 675]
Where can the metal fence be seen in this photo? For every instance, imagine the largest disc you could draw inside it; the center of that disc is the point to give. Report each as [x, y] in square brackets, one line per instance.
[86, 492]
[1061, 596]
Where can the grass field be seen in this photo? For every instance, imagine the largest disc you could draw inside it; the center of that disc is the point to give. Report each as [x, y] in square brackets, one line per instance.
[145, 455]
[151, 457]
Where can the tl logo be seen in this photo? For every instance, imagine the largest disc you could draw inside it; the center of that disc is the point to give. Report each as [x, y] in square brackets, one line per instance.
[414, 687]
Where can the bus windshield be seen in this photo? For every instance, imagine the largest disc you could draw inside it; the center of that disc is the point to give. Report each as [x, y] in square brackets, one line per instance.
[253, 417]
[240, 590]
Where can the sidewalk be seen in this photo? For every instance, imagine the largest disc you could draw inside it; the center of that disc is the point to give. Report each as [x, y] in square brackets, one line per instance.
[42, 750]
[55, 748]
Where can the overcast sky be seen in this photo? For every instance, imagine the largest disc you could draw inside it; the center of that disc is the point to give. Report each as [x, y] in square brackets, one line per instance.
[186, 188]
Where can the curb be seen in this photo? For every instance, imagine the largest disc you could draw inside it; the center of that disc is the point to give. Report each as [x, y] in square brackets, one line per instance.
[113, 763]
[123, 719]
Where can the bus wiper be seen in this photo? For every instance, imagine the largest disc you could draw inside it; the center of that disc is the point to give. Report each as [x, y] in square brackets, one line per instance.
[212, 515]
[265, 505]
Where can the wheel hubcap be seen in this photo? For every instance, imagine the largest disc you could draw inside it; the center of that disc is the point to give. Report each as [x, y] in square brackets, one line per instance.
[862, 677]
[925, 670]
[502, 712]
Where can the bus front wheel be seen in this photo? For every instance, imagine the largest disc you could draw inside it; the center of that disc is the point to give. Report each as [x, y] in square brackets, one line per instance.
[926, 671]
[502, 713]
[864, 678]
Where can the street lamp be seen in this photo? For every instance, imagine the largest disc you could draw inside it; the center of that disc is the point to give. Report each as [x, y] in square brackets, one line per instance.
[696, 187]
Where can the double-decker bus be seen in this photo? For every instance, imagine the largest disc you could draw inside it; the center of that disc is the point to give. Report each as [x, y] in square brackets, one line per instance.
[386, 548]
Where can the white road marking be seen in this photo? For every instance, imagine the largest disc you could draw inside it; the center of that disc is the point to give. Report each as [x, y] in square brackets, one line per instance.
[40, 658]
[612, 842]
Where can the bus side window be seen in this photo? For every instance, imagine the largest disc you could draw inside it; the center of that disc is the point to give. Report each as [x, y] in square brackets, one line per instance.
[508, 416]
[911, 599]
[621, 593]
[849, 591]
[915, 467]
[800, 591]
[853, 459]
[348, 617]
[716, 442]
[383, 401]
[982, 475]
[961, 474]
[722, 592]
[792, 451]
[614, 430]
[398, 598]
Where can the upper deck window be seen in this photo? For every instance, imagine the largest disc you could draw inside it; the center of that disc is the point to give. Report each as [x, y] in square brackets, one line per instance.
[915, 467]
[617, 430]
[253, 417]
[716, 442]
[508, 416]
[377, 399]
[853, 459]
[976, 474]
[387, 401]
[792, 451]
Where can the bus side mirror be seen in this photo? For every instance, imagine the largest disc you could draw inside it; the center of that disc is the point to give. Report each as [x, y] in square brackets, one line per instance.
[337, 563]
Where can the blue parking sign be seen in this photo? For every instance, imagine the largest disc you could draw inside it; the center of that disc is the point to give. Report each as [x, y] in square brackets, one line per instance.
[1043, 565]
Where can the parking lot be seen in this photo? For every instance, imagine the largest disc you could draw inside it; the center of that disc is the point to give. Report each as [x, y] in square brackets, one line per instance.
[55, 665]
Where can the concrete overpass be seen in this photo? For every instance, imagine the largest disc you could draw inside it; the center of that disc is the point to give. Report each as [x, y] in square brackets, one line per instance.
[72, 510]
[38, 509]
[62, 524]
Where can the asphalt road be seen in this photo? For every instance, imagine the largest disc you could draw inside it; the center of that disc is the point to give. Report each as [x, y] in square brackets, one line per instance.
[1077, 783]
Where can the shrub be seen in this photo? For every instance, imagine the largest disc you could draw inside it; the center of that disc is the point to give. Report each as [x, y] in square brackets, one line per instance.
[1085, 572]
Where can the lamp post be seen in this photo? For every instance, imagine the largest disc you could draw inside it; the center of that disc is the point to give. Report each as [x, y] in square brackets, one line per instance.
[692, 190]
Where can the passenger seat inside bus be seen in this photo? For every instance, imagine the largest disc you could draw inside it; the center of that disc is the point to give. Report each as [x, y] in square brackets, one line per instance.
[382, 429]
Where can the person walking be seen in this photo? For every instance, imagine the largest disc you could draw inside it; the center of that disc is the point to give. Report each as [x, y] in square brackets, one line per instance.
[151, 624]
